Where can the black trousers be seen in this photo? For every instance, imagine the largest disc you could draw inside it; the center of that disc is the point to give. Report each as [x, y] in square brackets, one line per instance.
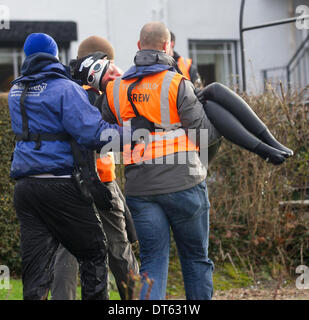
[121, 258]
[51, 211]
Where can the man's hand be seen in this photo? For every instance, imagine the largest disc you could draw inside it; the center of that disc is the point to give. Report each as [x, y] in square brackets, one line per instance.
[200, 94]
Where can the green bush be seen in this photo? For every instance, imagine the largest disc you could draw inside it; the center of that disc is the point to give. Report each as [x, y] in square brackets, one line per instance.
[247, 223]
[9, 228]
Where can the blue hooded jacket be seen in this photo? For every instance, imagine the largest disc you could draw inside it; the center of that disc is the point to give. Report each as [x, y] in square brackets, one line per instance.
[54, 104]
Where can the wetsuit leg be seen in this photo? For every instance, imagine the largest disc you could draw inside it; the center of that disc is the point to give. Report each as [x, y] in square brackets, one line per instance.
[234, 131]
[121, 257]
[242, 111]
[65, 275]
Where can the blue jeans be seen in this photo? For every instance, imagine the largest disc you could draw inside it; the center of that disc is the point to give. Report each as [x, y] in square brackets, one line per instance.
[187, 214]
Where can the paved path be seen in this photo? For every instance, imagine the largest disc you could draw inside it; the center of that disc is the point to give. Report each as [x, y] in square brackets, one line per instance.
[288, 293]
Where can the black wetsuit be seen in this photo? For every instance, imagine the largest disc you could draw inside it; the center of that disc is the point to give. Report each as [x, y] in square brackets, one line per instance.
[238, 123]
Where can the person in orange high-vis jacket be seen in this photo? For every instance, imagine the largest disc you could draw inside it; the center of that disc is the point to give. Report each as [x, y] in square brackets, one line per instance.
[117, 223]
[165, 179]
[185, 65]
[161, 189]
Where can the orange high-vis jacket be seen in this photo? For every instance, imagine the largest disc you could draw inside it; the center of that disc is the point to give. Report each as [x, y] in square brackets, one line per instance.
[184, 65]
[105, 164]
[155, 98]
[106, 167]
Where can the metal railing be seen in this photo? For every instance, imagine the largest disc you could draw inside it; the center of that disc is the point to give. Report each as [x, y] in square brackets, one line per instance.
[243, 29]
[296, 73]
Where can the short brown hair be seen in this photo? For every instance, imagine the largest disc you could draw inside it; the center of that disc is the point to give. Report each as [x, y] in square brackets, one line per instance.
[153, 35]
[93, 44]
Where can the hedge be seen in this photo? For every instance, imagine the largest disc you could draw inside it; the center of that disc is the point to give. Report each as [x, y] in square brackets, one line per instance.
[248, 224]
[9, 228]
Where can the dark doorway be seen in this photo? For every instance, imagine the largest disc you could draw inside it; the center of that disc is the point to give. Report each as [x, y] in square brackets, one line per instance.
[207, 73]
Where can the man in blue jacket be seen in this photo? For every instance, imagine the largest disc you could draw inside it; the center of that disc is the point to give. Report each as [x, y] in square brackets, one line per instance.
[48, 110]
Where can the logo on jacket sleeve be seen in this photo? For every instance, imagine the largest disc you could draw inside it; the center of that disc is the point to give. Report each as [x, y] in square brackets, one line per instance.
[35, 90]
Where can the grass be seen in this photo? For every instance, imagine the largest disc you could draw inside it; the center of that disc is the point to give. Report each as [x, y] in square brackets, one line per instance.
[229, 277]
[16, 292]
[226, 276]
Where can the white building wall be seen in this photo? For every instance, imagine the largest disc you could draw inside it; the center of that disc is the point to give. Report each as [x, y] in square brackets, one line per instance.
[207, 20]
[121, 20]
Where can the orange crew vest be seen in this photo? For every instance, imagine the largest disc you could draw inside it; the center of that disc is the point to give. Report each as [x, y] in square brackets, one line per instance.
[105, 164]
[184, 65]
[155, 98]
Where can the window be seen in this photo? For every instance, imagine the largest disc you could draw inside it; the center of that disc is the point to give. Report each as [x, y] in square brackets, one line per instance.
[11, 61]
[12, 42]
[215, 60]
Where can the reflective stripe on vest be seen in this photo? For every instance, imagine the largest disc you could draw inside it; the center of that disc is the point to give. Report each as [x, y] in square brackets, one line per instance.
[184, 65]
[155, 98]
[116, 99]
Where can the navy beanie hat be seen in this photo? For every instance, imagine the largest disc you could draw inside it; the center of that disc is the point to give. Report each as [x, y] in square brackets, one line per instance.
[40, 42]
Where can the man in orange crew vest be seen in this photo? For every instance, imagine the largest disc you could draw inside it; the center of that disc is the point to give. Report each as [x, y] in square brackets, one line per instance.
[185, 65]
[117, 223]
[161, 191]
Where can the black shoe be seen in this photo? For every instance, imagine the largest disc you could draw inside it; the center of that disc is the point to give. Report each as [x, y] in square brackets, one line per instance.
[271, 154]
